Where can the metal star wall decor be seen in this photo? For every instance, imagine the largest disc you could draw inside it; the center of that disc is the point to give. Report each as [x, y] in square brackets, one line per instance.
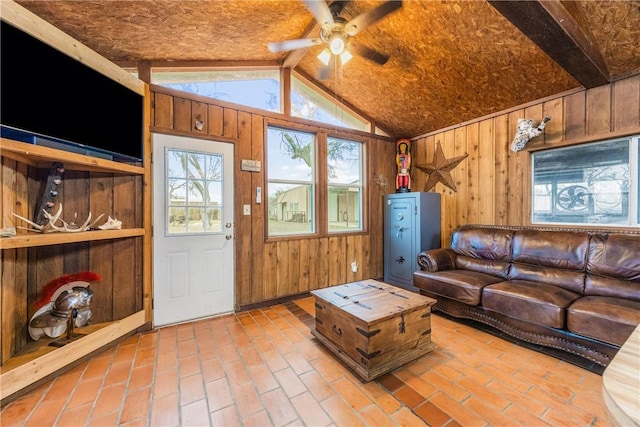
[440, 169]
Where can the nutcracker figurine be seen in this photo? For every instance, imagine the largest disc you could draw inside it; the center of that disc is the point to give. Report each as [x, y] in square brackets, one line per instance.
[403, 160]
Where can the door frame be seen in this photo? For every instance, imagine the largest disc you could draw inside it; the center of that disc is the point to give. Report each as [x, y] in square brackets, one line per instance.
[154, 194]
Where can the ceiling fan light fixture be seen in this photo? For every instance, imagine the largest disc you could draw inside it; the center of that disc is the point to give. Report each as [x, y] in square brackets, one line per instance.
[345, 57]
[325, 56]
[337, 45]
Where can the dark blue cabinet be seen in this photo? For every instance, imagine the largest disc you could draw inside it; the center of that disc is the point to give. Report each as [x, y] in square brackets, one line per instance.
[411, 224]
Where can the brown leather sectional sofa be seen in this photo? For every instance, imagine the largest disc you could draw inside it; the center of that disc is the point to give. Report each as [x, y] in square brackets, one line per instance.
[578, 291]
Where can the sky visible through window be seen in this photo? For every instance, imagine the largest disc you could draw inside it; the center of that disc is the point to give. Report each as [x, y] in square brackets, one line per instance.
[258, 90]
[263, 94]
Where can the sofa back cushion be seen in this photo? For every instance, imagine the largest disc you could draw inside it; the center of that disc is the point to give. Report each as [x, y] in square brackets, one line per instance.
[486, 250]
[553, 257]
[613, 267]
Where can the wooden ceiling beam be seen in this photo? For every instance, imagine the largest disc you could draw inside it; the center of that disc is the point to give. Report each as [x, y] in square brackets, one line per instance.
[560, 35]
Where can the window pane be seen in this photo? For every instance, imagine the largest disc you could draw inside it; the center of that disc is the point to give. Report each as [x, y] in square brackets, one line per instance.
[255, 88]
[177, 220]
[344, 200]
[176, 165]
[586, 184]
[196, 192]
[290, 155]
[214, 193]
[344, 209]
[343, 159]
[290, 209]
[214, 218]
[195, 220]
[177, 189]
[214, 167]
[195, 165]
[310, 104]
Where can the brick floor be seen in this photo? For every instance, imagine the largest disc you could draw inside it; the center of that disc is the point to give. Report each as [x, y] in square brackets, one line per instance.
[263, 367]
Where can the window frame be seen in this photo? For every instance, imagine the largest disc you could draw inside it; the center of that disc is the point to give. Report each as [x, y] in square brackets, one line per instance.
[360, 186]
[313, 181]
[321, 183]
[634, 181]
[168, 205]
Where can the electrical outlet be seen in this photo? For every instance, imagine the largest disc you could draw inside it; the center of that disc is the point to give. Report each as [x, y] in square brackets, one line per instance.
[246, 209]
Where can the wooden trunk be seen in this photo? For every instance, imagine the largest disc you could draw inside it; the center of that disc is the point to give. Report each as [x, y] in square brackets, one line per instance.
[373, 327]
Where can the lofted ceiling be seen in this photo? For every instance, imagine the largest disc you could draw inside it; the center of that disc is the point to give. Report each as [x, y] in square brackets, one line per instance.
[450, 61]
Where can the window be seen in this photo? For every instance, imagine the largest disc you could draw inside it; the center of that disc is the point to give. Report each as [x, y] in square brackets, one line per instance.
[194, 192]
[344, 161]
[588, 184]
[291, 177]
[308, 103]
[253, 88]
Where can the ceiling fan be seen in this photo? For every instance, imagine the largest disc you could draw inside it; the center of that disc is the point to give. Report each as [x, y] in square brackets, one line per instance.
[336, 32]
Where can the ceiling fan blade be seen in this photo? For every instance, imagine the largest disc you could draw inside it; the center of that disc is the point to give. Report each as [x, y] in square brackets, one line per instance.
[321, 12]
[368, 53]
[325, 71]
[276, 47]
[365, 19]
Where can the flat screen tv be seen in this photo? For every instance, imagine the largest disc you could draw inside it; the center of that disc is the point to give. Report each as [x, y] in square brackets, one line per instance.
[51, 96]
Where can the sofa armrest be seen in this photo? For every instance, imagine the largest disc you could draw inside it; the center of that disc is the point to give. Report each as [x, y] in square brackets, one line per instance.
[437, 260]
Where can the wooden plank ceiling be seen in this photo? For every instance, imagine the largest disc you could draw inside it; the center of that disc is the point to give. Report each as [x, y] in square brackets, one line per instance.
[450, 61]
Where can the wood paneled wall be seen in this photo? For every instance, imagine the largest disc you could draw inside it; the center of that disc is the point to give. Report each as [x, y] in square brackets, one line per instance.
[493, 183]
[267, 270]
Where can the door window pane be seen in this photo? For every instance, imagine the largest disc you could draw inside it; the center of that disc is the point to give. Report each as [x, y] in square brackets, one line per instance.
[193, 192]
[586, 184]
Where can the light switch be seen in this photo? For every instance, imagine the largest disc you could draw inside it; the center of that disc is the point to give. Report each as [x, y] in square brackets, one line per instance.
[246, 209]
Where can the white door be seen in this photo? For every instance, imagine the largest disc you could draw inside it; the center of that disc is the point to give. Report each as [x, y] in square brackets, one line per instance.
[193, 250]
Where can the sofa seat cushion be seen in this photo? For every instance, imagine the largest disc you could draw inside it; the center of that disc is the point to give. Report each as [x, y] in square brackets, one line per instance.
[534, 302]
[604, 318]
[461, 285]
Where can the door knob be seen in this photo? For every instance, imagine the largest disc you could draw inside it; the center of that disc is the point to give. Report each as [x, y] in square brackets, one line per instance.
[227, 225]
[400, 260]
[228, 236]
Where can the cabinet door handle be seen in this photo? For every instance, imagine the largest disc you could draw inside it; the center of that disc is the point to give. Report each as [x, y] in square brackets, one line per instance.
[337, 330]
[400, 260]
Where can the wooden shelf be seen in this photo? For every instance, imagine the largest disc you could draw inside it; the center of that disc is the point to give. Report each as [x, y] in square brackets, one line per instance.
[42, 157]
[27, 369]
[35, 239]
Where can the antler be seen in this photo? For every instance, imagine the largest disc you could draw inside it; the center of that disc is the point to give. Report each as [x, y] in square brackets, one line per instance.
[72, 228]
[51, 226]
[38, 227]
